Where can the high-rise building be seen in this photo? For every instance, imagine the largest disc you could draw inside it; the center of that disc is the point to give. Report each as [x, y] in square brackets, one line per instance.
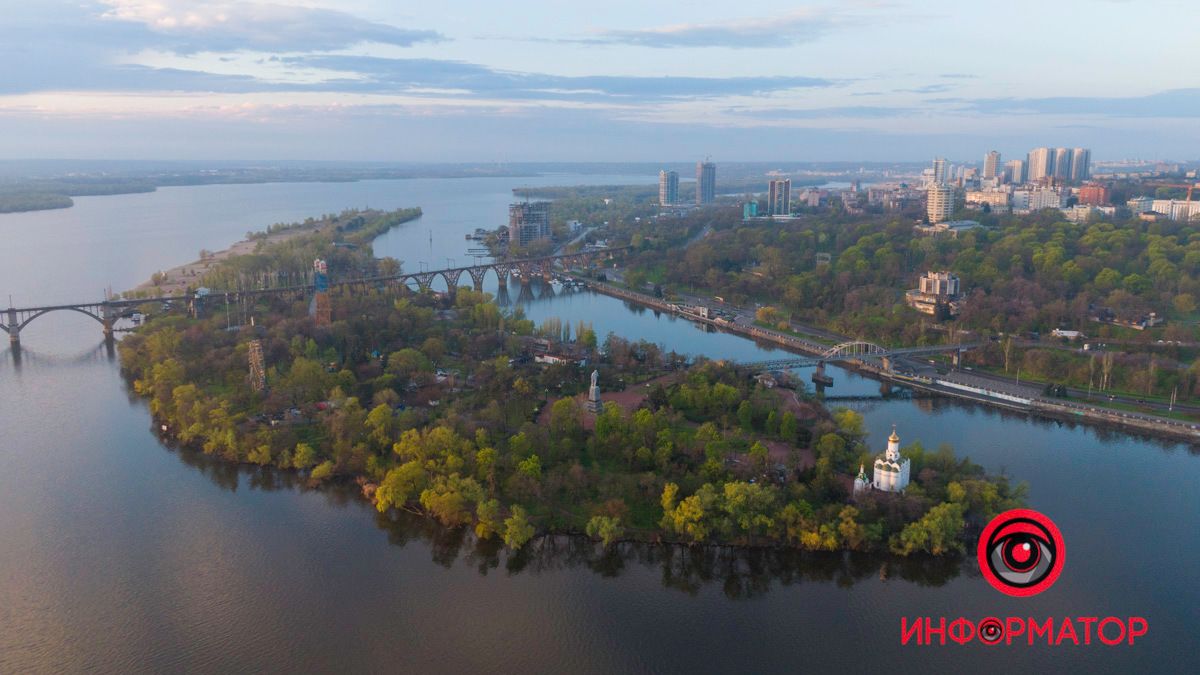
[1081, 159]
[1039, 164]
[939, 170]
[706, 182]
[940, 202]
[528, 222]
[779, 197]
[1062, 164]
[991, 163]
[1014, 171]
[668, 188]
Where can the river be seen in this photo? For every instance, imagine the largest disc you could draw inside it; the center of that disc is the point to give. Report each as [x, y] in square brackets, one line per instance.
[118, 554]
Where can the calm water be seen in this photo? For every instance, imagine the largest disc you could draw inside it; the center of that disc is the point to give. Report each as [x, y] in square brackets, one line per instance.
[118, 554]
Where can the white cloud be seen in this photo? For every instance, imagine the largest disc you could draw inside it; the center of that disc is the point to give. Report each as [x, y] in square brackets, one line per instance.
[188, 26]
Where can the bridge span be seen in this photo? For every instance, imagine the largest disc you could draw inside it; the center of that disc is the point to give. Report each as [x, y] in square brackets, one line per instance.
[107, 312]
[857, 350]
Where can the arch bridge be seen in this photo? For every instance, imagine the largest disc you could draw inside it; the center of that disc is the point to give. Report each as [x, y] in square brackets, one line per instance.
[108, 312]
[856, 350]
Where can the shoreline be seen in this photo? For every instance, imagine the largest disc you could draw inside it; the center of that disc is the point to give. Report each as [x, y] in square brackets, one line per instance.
[1092, 415]
[177, 279]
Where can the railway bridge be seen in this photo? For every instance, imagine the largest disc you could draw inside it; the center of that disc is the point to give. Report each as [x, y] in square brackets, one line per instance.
[107, 312]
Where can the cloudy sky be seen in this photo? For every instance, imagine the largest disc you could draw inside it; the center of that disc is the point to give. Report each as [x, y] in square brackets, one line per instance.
[528, 80]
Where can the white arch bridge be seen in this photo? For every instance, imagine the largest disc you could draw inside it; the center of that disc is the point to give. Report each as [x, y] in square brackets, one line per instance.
[855, 350]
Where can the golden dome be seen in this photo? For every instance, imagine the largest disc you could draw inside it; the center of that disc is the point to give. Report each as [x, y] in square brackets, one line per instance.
[894, 438]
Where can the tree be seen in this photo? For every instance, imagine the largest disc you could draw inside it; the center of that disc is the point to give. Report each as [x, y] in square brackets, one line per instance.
[489, 522]
[758, 456]
[380, 426]
[450, 499]
[531, 466]
[937, 532]
[517, 529]
[260, 455]
[322, 471]
[400, 486]
[304, 457]
[745, 416]
[788, 427]
[749, 506]
[605, 528]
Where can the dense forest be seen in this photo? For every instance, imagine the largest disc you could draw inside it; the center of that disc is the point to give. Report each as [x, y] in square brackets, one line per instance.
[437, 404]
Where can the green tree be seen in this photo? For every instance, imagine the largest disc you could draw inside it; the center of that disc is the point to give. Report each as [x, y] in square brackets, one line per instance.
[937, 532]
[517, 528]
[758, 456]
[400, 486]
[605, 528]
[531, 466]
[304, 457]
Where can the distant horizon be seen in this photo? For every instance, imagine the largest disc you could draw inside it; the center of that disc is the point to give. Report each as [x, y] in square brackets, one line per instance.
[534, 162]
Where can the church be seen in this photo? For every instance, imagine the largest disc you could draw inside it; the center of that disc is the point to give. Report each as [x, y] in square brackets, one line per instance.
[890, 472]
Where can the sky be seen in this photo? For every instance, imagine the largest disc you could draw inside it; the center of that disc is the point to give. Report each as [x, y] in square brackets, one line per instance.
[555, 80]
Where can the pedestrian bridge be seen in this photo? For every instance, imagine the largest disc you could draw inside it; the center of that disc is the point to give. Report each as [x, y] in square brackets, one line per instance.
[855, 350]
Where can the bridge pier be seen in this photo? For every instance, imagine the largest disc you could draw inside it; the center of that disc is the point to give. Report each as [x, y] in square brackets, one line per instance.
[14, 327]
[956, 357]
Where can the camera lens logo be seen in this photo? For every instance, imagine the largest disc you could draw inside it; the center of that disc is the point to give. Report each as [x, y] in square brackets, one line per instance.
[1021, 552]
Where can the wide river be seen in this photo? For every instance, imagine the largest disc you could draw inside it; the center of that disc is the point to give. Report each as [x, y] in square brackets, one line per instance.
[118, 554]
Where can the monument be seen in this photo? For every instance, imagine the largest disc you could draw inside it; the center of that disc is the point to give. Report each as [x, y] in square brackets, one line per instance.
[593, 403]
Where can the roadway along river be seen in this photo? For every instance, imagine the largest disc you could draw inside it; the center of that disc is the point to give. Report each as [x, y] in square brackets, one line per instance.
[117, 554]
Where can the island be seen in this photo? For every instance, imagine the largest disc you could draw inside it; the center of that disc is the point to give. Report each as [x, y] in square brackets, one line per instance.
[447, 405]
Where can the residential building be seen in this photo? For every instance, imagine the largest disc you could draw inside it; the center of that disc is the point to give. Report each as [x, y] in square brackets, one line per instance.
[528, 222]
[996, 200]
[991, 164]
[706, 183]
[1081, 160]
[779, 197]
[1014, 171]
[939, 205]
[1039, 164]
[1081, 213]
[1094, 194]
[1037, 199]
[1062, 163]
[939, 170]
[668, 188]
[749, 210]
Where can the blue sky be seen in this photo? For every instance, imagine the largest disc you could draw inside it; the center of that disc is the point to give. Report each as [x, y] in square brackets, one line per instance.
[611, 81]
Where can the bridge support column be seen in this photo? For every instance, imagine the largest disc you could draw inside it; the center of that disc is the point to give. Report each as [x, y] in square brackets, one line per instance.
[956, 357]
[14, 327]
[887, 363]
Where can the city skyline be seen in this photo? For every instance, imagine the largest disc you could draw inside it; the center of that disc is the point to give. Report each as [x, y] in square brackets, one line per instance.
[364, 80]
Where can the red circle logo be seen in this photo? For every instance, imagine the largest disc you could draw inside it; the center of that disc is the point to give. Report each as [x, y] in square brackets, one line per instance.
[1021, 552]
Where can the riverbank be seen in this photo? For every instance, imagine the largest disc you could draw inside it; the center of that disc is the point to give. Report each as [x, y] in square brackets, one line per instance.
[1024, 402]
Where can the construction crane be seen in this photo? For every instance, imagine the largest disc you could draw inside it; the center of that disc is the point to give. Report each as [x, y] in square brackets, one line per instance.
[1189, 186]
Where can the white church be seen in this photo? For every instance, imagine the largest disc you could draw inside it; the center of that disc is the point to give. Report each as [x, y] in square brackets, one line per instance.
[890, 471]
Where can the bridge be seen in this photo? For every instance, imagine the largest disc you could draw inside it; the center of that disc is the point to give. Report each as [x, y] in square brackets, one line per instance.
[107, 312]
[856, 350]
